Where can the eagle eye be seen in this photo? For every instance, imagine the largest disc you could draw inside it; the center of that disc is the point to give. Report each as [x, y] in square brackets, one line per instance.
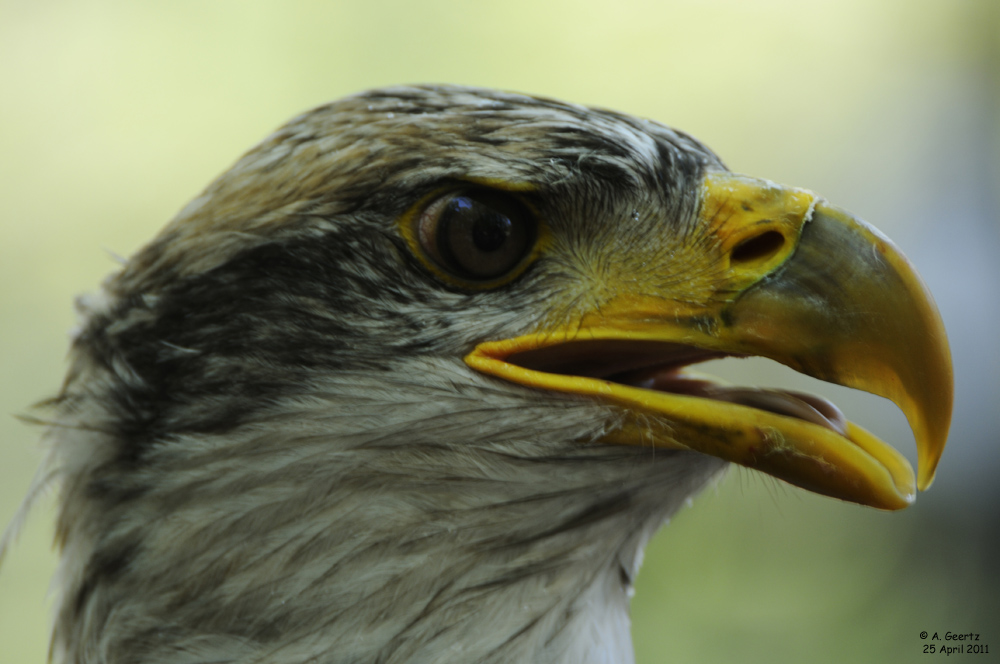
[476, 234]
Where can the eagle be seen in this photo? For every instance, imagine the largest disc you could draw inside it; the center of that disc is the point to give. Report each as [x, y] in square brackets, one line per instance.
[414, 381]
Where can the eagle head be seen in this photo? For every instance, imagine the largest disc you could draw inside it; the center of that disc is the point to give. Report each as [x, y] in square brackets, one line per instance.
[410, 383]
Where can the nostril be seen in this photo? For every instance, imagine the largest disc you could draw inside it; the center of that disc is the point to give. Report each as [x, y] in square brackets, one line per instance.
[758, 248]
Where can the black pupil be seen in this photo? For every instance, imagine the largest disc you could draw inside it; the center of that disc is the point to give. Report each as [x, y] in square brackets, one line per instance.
[490, 231]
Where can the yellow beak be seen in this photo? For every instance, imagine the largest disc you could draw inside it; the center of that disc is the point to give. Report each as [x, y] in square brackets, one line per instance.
[794, 280]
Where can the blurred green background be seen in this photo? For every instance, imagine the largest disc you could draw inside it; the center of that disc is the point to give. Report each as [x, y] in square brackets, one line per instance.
[114, 114]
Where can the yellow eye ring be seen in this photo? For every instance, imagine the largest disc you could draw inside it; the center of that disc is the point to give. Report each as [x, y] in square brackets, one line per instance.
[475, 237]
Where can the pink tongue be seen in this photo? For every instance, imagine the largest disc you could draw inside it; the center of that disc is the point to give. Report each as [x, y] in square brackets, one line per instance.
[801, 406]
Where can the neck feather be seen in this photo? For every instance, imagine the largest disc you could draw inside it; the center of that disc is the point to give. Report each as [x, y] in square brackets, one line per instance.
[449, 524]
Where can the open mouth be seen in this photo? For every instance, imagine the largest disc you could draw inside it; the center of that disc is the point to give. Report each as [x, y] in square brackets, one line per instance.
[800, 438]
[661, 367]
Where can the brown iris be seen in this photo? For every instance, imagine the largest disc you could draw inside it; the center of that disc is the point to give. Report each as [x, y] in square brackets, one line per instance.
[476, 234]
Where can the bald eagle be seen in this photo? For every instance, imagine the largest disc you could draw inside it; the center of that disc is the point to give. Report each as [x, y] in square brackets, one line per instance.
[411, 383]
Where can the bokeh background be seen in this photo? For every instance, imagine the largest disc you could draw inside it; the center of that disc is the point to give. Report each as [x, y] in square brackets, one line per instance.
[114, 114]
